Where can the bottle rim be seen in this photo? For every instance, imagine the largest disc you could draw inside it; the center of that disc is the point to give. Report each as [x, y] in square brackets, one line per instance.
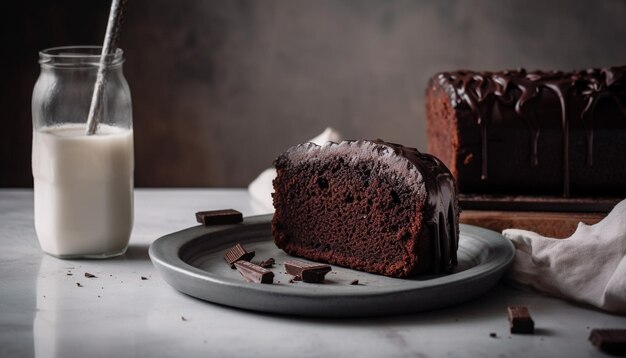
[78, 56]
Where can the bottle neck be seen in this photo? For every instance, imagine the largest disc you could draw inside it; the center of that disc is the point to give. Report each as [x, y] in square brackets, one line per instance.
[79, 57]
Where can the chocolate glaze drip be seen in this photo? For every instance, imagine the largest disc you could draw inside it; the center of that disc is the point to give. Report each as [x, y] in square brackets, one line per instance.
[442, 203]
[561, 89]
[481, 92]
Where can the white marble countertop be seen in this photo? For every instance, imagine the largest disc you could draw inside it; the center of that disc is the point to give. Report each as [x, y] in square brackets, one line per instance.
[43, 312]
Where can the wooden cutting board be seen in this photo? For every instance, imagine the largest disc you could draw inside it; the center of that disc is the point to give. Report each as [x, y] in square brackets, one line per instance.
[550, 216]
[552, 224]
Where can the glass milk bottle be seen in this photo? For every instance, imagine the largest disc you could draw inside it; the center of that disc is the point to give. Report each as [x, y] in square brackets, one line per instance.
[83, 184]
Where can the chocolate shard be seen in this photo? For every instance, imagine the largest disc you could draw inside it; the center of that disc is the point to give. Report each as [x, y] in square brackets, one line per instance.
[254, 273]
[354, 282]
[611, 341]
[237, 253]
[312, 273]
[267, 263]
[219, 217]
[520, 320]
[90, 275]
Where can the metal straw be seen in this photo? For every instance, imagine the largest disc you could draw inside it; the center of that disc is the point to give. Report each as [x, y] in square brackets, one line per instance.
[108, 53]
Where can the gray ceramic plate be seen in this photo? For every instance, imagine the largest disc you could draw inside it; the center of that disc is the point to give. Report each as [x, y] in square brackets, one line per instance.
[192, 262]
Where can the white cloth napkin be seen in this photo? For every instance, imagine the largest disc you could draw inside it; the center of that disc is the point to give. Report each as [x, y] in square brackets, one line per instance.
[588, 267]
[261, 188]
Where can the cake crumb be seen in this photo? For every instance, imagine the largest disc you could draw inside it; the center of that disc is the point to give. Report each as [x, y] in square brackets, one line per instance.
[468, 159]
[267, 263]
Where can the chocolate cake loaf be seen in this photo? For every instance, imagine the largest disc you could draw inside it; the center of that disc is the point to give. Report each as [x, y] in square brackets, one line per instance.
[540, 133]
[368, 205]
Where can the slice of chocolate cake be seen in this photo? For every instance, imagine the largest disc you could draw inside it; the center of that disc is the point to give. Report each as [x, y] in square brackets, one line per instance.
[368, 205]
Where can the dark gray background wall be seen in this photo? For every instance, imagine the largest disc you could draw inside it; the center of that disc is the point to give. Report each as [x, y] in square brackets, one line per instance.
[222, 87]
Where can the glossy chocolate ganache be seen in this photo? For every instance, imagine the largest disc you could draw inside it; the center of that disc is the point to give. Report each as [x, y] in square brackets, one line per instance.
[577, 105]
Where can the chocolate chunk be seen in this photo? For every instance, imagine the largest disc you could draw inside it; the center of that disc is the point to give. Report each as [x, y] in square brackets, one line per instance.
[354, 282]
[611, 341]
[493, 335]
[520, 320]
[312, 273]
[78, 284]
[219, 217]
[237, 253]
[268, 263]
[88, 275]
[182, 318]
[254, 273]
[143, 278]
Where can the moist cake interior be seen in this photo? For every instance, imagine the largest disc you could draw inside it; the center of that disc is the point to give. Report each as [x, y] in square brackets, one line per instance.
[353, 208]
